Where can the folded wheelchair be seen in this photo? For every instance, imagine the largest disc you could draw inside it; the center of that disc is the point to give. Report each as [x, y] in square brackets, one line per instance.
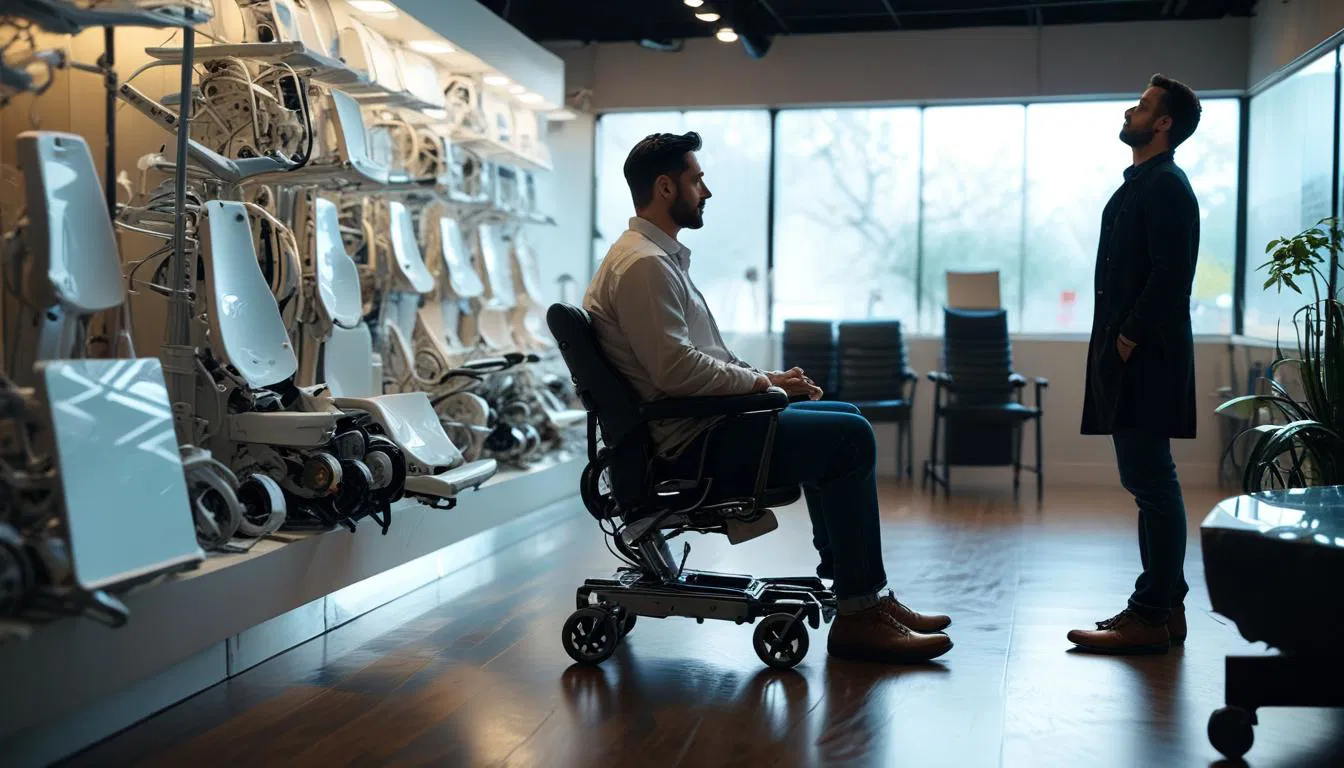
[640, 506]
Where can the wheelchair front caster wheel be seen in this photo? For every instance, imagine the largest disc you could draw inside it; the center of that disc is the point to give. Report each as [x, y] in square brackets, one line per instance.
[780, 640]
[590, 635]
[1230, 732]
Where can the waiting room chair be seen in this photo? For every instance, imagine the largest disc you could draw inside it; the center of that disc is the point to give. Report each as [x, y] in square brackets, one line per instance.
[640, 505]
[873, 373]
[810, 345]
[978, 408]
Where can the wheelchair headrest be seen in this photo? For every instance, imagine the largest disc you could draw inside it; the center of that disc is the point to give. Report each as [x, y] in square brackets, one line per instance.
[604, 392]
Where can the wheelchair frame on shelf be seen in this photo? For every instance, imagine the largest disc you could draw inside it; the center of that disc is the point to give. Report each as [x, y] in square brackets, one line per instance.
[655, 584]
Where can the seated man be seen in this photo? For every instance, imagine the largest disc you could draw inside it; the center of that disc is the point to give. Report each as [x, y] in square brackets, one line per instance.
[656, 329]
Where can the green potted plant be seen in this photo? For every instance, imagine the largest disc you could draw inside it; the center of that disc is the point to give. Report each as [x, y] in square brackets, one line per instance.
[1308, 449]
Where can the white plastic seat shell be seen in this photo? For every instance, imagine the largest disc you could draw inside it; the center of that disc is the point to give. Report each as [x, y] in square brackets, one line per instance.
[337, 275]
[247, 330]
[70, 232]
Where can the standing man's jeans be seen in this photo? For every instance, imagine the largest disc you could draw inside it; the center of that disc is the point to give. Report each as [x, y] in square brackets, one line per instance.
[1148, 472]
[831, 451]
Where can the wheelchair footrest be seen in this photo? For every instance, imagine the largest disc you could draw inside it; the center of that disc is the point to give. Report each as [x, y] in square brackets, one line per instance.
[703, 595]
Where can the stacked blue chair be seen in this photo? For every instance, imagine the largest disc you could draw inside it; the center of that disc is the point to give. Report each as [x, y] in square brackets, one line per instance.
[810, 345]
[873, 373]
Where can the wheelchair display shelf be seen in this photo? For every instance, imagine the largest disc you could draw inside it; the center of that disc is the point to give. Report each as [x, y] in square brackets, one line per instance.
[192, 630]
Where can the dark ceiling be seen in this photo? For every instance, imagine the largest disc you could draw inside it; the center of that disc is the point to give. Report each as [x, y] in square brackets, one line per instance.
[670, 20]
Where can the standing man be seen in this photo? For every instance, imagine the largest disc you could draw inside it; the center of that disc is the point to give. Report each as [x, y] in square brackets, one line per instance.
[656, 329]
[1140, 362]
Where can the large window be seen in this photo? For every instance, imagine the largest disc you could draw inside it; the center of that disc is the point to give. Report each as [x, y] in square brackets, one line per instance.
[1289, 184]
[728, 256]
[1075, 161]
[973, 160]
[846, 214]
[874, 206]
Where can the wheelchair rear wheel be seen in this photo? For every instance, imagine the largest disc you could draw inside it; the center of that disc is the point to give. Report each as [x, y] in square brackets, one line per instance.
[781, 640]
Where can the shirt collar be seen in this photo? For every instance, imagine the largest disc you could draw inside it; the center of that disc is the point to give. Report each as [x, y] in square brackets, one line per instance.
[1135, 171]
[669, 245]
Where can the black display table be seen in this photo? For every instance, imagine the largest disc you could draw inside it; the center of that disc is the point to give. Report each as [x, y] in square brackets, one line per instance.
[1274, 565]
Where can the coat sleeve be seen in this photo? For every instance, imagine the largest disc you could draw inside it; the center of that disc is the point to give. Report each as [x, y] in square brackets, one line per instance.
[1170, 216]
[652, 312]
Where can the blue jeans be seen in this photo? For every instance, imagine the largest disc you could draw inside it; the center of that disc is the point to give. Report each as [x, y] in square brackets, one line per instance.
[830, 450]
[1148, 472]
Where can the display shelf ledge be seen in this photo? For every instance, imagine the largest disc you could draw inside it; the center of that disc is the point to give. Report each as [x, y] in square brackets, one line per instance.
[66, 673]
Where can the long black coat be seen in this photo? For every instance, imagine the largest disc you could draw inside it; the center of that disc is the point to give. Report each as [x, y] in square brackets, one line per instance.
[1145, 267]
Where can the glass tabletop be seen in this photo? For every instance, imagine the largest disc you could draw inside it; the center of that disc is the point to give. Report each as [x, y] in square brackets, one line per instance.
[1311, 515]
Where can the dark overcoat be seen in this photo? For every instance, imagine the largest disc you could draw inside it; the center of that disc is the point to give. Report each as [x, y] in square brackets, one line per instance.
[1145, 268]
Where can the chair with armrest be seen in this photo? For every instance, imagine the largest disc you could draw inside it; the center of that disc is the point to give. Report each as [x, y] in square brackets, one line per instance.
[810, 345]
[978, 409]
[640, 505]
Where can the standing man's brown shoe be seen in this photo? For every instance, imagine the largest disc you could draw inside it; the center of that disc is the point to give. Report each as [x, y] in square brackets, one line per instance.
[1176, 625]
[1124, 633]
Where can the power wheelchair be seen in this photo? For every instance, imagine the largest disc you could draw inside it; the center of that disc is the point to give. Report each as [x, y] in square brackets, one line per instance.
[639, 506]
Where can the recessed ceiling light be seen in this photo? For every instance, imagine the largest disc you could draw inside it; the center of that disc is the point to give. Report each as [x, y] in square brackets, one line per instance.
[374, 6]
[436, 114]
[496, 80]
[560, 115]
[694, 3]
[516, 89]
[530, 98]
[431, 47]
[707, 16]
[726, 34]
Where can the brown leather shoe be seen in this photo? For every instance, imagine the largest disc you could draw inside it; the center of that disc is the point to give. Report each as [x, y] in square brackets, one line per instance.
[1176, 626]
[926, 623]
[875, 635]
[1122, 634]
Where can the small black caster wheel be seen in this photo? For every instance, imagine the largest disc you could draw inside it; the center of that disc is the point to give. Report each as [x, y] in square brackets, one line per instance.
[780, 641]
[1230, 732]
[590, 636]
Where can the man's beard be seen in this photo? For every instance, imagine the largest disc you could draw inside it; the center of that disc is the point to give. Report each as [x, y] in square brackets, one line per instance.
[686, 215]
[1136, 137]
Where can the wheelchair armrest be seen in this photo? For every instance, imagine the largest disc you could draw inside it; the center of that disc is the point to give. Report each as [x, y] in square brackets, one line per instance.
[1042, 382]
[940, 377]
[909, 375]
[772, 399]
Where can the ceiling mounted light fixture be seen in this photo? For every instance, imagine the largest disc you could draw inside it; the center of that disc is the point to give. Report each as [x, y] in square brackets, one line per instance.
[430, 47]
[381, 7]
[516, 89]
[561, 115]
[530, 98]
[694, 3]
[496, 80]
[707, 16]
[726, 34]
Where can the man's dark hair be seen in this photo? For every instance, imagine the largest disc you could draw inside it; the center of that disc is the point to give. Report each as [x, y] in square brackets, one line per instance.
[657, 154]
[1181, 104]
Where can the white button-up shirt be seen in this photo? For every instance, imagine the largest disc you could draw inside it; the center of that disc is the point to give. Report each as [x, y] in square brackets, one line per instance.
[655, 328]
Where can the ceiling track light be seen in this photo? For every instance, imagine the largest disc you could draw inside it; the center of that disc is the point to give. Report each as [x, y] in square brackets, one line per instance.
[694, 3]
[707, 16]
[726, 34]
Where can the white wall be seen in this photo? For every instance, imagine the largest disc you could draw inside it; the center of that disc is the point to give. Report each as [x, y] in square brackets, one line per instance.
[915, 66]
[566, 194]
[1283, 30]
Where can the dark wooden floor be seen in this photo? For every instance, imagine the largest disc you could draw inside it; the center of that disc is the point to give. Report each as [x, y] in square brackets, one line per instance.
[470, 671]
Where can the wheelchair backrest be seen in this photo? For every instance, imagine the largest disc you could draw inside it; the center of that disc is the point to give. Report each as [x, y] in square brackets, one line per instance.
[462, 278]
[608, 397]
[408, 264]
